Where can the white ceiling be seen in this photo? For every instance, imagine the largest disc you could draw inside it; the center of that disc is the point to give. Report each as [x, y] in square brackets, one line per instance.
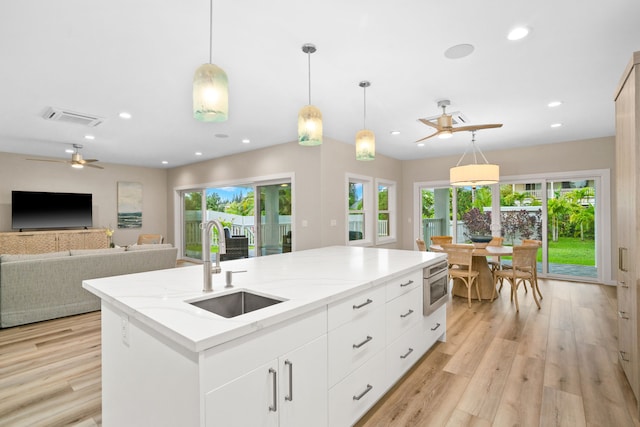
[104, 57]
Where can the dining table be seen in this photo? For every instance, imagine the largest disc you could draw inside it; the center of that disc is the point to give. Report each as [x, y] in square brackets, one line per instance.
[479, 263]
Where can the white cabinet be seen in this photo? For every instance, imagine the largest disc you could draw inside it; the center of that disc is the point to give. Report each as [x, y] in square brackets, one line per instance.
[374, 338]
[282, 392]
[276, 377]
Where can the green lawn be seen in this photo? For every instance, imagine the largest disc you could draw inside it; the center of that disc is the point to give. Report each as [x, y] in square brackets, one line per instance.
[570, 250]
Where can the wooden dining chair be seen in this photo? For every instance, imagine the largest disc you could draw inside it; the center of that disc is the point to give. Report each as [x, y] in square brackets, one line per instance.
[460, 259]
[537, 243]
[521, 271]
[145, 239]
[421, 245]
[440, 240]
[494, 262]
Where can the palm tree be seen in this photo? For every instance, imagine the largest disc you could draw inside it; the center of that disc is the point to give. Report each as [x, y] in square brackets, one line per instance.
[557, 208]
[583, 216]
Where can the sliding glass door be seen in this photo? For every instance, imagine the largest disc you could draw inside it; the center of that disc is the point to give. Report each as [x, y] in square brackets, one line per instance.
[274, 227]
[191, 219]
[569, 212]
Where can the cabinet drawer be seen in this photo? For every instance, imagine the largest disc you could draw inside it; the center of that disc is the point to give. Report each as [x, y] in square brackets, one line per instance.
[404, 352]
[356, 394]
[434, 326]
[404, 284]
[403, 312]
[354, 343]
[355, 307]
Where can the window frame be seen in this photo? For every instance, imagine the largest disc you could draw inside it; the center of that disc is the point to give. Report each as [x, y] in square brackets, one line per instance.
[367, 209]
[392, 189]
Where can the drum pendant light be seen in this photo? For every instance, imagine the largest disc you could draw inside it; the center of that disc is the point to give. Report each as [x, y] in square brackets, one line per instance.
[475, 173]
[365, 139]
[309, 117]
[210, 87]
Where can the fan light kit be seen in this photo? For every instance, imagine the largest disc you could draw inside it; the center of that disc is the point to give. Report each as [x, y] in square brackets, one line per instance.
[76, 161]
[444, 126]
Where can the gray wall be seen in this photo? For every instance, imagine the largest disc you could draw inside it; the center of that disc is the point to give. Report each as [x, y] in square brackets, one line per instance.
[319, 173]
[16, 173]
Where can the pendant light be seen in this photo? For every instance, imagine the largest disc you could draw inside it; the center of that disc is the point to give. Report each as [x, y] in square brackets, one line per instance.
[475, 173]
[309, 117]
[210, 87]
[365, 139]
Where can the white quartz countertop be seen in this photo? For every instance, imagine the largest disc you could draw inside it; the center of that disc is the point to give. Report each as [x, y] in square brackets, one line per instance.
[304, 280]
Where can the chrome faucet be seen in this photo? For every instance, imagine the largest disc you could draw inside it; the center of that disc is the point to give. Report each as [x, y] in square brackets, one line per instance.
[206, 251]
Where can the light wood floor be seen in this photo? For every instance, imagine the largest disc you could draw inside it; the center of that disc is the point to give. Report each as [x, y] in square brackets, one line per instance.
[551, 367]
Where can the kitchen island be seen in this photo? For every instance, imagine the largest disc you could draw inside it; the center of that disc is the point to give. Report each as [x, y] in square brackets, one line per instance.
[348, 323]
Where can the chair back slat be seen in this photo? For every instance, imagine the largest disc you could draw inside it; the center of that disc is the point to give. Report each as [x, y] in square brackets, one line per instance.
[457, 254]
[421, 245]
[440, 240]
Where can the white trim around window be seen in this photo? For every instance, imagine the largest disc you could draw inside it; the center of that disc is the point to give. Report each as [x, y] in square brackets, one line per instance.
[361, 219]
[386, 230]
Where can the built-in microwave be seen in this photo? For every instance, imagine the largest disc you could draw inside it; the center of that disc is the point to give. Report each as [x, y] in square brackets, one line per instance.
[435, 287]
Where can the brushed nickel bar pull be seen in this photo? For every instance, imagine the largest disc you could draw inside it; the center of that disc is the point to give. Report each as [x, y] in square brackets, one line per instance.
[622, 355]
[402, 285]
[406, 314]
[369, 338]
[274, 407]
[435, 327]
[289, 398]
[404, 356]
[367, 302]
[623, 284]
[622, 259]
[623, 315]
[361, 395]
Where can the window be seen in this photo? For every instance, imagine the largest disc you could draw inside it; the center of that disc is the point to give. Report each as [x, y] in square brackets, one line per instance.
[359, 210]
[386, 224]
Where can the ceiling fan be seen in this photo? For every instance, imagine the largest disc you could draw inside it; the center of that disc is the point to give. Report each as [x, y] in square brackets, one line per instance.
[76, 160]
[444, 126]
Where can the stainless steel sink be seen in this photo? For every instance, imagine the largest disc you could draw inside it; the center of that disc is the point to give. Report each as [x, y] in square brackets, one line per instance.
[235, 304]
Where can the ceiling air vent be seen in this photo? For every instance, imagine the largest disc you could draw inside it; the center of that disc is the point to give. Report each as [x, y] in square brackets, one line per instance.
[67, 116]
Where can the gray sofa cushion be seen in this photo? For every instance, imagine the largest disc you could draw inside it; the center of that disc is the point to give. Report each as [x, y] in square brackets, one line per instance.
[25, 257]
[146, 247]
[95, 251]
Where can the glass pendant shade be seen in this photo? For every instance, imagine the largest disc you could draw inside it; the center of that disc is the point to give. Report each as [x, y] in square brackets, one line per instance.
[309, 126]
[474, 175]
[210, 94]
[365, 145]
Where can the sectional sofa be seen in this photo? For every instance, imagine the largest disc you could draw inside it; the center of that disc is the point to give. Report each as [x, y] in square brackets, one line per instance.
[47, 286]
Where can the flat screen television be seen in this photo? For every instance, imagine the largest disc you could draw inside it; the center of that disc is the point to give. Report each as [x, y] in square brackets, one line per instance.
[44, 210]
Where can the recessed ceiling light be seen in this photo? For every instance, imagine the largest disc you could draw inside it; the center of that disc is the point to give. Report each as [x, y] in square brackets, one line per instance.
[246, 141]
[395, 132]
[69, 150]
[554, 104]
[421, 144]
[556, 125]
[198, 153]
[459, 51]
[125, 115]
[164, 162]
[518, 33]
[89, 137]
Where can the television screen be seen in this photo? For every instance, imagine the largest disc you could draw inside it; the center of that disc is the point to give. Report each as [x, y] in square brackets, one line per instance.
[35, 209]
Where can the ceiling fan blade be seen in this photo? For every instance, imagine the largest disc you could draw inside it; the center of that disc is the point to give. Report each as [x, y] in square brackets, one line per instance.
[93, 166]
[430, 136]
[429, 123]
[89, 160]
[476, 127]
[49, 160]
